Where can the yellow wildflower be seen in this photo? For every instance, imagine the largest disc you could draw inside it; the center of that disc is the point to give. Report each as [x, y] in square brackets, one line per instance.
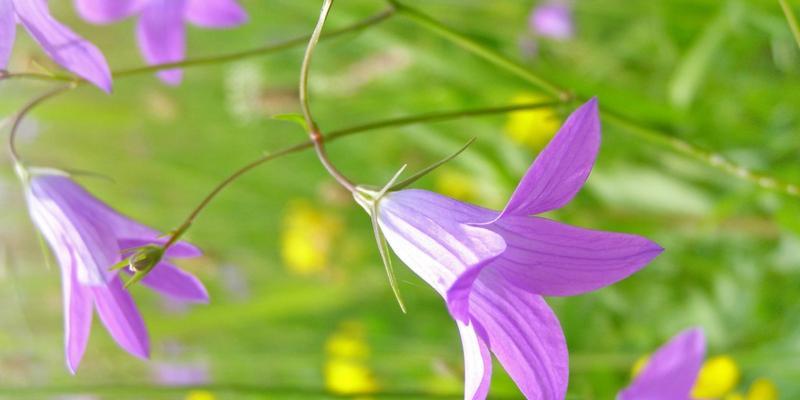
[762, 389]
[533, 128]
[734, 396]
[456, 184]
[717, 378]
[307, 238]
[346, 370]
[200, 395]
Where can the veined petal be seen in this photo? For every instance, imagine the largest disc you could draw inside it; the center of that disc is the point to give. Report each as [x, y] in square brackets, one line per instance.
[172, 281]
[524, 335]
[8, 29]
[161, 34]
[430, 233]
[671, 371]
[215, 13]
[477, 363]
[554, 259]
[121, 318]
[106, 11]
[561, 169]
[62, 45]
[78, 309]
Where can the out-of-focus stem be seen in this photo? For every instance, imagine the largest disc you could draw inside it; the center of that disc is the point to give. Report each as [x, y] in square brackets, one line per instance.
[792, 20]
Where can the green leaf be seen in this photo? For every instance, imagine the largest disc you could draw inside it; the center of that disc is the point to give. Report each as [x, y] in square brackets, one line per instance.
[292, 117]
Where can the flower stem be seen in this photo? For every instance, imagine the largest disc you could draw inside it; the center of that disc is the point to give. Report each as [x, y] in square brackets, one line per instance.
[12, 135]
[340, 133]
[214, 59]
[656, 137]
[313, 130]
[792, 20]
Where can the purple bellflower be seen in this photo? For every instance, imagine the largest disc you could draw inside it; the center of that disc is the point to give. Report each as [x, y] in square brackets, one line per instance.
[87, 238]
[552, 20]
[161, 29]
[61, 44]
[493, 267]
[671, 371]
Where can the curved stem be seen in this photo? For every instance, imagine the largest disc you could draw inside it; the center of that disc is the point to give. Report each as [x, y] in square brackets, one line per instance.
[215, 59]
[791, 19]
[653, 136]
[338, 134]
[12, 135]
[313, 131]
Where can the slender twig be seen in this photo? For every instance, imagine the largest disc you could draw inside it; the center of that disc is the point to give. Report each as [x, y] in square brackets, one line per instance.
[791, 19]
[629, 125]
[313, 130]
[340, 133]
[12, 135]
[214, 59]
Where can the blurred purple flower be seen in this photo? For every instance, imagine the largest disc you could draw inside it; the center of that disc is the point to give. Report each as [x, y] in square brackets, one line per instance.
[493, 267]
[183, 374]
[671, 371]
[553, 20]
[61, 44]
[87, 238]
[161, 29]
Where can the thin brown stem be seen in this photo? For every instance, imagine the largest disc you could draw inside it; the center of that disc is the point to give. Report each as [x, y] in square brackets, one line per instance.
[12, 135]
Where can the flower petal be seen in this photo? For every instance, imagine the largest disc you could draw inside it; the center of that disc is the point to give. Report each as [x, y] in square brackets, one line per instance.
[120, 316]
[561, 169]
[8, 30]
[106, 11]
[524, 335]
[174, 282]
[62, 45]
[78, 308]
[430, 234]
[215, 13]
[671, 371]
[477, 363]
[161, 34]
[554, 259]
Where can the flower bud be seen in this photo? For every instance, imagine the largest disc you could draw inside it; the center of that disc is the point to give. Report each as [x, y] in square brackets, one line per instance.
[143, 261]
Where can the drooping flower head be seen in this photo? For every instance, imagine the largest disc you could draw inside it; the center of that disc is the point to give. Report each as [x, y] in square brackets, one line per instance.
[161, 28]
[552, 19]
[671, 372]
[87, 238]
[493, 267]
[61, 44]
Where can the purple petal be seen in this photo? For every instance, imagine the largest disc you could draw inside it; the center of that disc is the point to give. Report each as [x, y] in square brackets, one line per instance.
[8, 29]
[552, 20]
[78, 308]
[67, 217]
[62, 45]
[178, 250]
[121, 318]
[524, 335]
[106, 11]
[430, 234]
[553, 259]
[161, 34]
[561, 169]
[477, 363]
[215, 13]
[671, 371]
[172, 281]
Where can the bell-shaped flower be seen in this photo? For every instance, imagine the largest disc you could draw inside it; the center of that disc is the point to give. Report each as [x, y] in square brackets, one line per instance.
[671, 372]
[493, 267]
[60, 43]
[161, 28]
[88, 238]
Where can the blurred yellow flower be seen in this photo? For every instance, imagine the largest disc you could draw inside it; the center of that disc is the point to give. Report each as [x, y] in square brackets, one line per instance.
[639, 365]
[762, 389]
[717, 378]
[200, 395]
[533, 128]
[307, 238]
[456, 184]
[734, 396]
[346, 370]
